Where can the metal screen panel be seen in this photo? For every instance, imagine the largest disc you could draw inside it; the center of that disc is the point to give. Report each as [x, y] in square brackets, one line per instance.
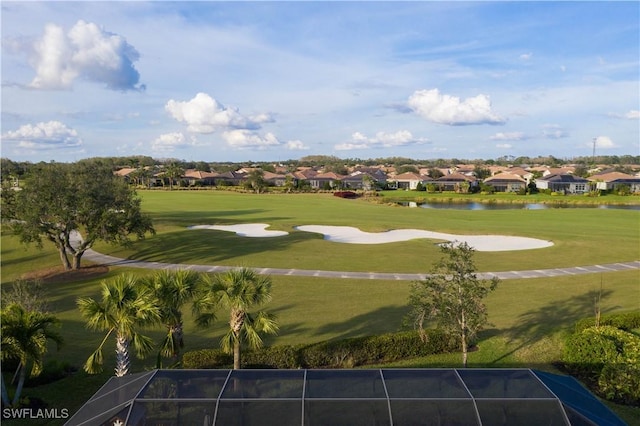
[497, 383]
[521, 412]
[413, 383]
[264, 384]
[456, 412]
[267, 412]
[346, 412]
[335, 384]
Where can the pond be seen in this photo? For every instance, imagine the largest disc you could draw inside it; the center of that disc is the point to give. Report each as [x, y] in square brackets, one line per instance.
[515, 206]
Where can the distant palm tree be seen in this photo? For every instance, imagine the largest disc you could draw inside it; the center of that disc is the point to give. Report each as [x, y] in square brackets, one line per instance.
[126, 307]
[24, 337]
[173, 172]
[172, 289]
[239, 290]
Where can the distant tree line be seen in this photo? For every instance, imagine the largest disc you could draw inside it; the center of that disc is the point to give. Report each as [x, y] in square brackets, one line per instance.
[17, 169]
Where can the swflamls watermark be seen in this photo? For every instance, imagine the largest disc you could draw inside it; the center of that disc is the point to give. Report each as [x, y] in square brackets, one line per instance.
[35, 413]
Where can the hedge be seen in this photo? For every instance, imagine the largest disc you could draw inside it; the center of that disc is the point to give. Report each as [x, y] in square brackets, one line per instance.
[608, 359]
[626, 321]
[331, 354]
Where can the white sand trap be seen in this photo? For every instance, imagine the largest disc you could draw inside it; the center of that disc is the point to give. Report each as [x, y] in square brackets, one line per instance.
[348, 234]
[252, 230]
[351, 235]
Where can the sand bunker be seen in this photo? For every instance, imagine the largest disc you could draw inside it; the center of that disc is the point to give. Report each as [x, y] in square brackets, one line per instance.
[348, 234]
[351, 235]
[253, 230]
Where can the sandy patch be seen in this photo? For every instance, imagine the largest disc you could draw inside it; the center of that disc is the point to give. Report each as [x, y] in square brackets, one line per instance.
[252, 230]
[351, 235]
[348, 234]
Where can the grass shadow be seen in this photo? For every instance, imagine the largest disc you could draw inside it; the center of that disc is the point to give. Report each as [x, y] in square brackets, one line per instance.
[534, 325]
[386, 319]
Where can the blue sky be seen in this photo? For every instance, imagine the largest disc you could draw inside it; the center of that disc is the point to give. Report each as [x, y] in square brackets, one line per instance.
[271, 81]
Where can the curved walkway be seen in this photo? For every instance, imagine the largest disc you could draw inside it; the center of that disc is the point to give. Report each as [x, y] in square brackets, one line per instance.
[506, 275]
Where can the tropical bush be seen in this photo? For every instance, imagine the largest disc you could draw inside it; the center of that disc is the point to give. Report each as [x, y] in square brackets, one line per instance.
[344, 353]
[626, 321]
[608, 360]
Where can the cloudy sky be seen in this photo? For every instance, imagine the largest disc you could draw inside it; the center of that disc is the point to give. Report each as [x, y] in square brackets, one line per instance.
[262, 81]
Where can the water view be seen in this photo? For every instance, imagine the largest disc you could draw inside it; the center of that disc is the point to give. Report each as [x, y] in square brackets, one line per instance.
[514, 206]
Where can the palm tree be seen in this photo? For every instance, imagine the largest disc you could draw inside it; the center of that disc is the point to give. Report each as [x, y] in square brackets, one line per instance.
[126, 306]
[173, 172]
[239, 290]
[24, 337]
[172, 289]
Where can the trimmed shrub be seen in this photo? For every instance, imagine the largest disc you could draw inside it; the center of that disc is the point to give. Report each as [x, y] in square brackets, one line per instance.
[206, 358]
[621, 383]
[344, 353]
[345, 194]
[283, 356]
[626, 321]
[587, 352]
[608, 359]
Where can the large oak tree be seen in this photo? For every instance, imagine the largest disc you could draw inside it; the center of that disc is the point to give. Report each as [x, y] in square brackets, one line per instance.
[60, 202]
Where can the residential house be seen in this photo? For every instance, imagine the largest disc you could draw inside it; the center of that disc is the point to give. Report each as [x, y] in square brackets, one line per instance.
[564, 183]
[363, 180]
[197, 177]
[323, 180]
[232, 178]
[506, 182]
[408, 181]
[455, 182]
[612, 180]
[275, 179]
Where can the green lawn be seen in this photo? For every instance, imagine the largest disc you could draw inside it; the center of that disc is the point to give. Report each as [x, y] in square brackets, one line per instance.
[529, 317]
[578, 234]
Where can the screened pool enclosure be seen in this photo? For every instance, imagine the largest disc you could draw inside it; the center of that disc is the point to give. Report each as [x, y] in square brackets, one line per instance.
[343, 397]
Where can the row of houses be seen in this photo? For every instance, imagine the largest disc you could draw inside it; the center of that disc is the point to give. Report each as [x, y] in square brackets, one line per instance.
[461, 180]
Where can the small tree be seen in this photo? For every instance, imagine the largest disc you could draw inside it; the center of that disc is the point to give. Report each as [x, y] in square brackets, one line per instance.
[239, 290]
[125, 308]
[24, 338]
[172, 289]
[452, 296]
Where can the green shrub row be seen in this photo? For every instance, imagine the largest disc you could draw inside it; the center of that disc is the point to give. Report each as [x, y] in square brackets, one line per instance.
[608, 360]
[626, 321]
[345, 353]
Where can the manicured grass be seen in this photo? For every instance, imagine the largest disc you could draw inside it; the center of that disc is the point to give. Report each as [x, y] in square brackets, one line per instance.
[529, 317]
[509, 198]
[578, 234]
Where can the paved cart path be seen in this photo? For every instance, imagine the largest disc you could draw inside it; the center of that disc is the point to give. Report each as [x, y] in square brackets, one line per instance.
[104, 259]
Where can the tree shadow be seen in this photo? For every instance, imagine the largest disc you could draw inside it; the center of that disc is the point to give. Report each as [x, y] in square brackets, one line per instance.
[203, 217]
[534, 325]
[208, 246]
[386, 319]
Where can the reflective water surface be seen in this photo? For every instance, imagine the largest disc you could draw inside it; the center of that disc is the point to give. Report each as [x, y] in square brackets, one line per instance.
[515, 206]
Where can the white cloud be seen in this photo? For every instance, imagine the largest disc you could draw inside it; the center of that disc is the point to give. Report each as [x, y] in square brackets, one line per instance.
[632, 114]
[554, 131]
[504, 145]
[247, 139]
[526, 56]
[169, 142]
[603, 142]
[381, 140]
[446, 109]
[51, 135]
[508, 136]
[87, 52]
[203, 114]
[296, 145]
